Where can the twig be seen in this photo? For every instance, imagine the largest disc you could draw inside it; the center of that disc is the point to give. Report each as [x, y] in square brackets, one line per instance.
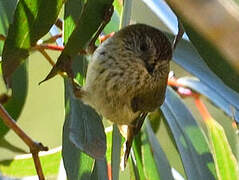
[34, 147]
[52, 39]
[48, 46]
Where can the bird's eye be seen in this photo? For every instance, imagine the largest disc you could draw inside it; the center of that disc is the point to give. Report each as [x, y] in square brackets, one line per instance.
[143, 47]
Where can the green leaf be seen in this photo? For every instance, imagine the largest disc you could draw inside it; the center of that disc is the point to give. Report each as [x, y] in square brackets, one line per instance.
[137, 158]
[189, 138]
[32, 20]
[100, 170]
[7, 10]
[16, 102]
[186, 56]
[115, 153]
[159, 157]
[91, 17]
[86, 128]
[215, 40]
[76, 163]
[225, 161]
[19, 83]
[149, 164]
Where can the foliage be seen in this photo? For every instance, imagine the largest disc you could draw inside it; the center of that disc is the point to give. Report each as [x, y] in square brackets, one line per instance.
[200, 140]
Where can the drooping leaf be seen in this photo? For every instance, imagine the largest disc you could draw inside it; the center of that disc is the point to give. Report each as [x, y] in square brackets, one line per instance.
[86, 129]
[187, 57]
[225, 161]
[215, 41]
[91, 17]
[16, 102]
[100, 170]
[115, 152]
[32, 20]
[137, 158]
[7, 10]
[76, 162]
[149, 164]
[161, 161]
[189, 138]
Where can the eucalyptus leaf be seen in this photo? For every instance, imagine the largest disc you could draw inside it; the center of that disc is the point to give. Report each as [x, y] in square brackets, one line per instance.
[115, 153]
[77, 163]
[189, 138]
[161, 161]
[225, 161]
[92, 15]
[15, 103]
[100, 170]
[32, 20]
[187, 57]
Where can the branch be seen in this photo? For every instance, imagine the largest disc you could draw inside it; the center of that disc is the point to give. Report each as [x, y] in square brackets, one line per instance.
[48, 46]
[34, 147]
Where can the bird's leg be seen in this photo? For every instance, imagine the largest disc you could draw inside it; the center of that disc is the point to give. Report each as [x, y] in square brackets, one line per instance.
[132, 131]
[108, 14]
[179, 36]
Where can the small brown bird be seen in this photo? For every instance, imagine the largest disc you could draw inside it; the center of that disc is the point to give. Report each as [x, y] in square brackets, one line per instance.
[127, 77]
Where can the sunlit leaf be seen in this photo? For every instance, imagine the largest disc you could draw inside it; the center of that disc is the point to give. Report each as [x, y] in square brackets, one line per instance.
[225, 161]
[32, 20]
[91, 17]
[161, 161]
[189, 138]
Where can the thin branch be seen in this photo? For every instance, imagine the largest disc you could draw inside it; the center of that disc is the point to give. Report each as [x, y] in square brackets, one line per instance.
[48, 46]
[38, 166]
[52, 39]
[34, 147]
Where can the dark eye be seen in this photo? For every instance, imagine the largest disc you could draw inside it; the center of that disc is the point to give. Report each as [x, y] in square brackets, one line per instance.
[143, 47]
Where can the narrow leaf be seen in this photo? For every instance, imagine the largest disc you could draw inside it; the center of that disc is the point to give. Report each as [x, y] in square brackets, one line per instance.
[214, 40]
[149, 164]
[32, 20]
[137, 157]
[225, 161]
[189, 138]
[16, 102]
[76, 163]
[100, 170]
[162, 163]
[91, 17]
[115, 153]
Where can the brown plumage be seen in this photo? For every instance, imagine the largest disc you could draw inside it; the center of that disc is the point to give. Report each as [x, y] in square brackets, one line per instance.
[127, 77]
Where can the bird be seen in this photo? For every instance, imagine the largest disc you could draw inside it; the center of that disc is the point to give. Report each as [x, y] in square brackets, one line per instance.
[127, 78]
